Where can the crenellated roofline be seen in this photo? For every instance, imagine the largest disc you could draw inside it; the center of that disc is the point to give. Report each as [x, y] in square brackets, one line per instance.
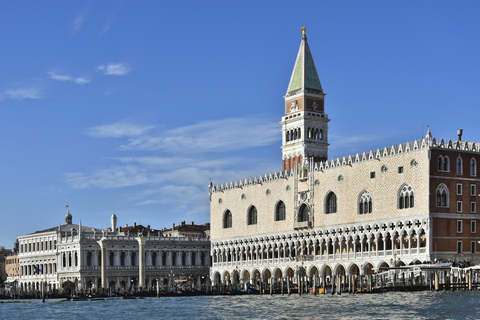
[408, 147]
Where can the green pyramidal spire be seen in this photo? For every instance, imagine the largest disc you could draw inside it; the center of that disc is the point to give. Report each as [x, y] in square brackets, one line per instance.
[304, 75]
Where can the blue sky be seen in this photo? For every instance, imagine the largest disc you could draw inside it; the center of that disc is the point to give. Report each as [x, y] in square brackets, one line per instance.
[133, 106]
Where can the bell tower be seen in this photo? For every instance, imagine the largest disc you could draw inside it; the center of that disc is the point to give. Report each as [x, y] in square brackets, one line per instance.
[305, 124]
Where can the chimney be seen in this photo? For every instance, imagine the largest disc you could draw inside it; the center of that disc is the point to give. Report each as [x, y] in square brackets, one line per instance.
[173, 226]
[192, 223]
[126, 225]
[183, 223]
[460, 132]
[134, 224]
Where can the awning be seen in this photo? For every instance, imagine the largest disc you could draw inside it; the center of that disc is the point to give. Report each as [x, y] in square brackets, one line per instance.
[182, 280]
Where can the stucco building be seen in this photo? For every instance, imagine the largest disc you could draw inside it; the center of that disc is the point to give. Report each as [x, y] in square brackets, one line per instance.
[407, 203]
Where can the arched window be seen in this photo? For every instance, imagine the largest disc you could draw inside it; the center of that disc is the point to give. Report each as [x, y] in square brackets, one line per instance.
[321, 134]
[111, 258]
[122, 258]
[133, 258]
[446, 164]
[303, 213]
[459, 165]
[406, 197]
[473, 167]
[440, 163]
[280, 211]
[365, 203]
[89, 258]
[442, 196]
[154, 258]
[331, 203]
[252, 215]
[227, 219]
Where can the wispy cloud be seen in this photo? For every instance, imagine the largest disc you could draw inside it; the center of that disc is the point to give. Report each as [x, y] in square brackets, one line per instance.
[208, 136]
[77, 23]
[63, 77]
[107, 26]
[21, 93]
[114, 69]
[118, 130]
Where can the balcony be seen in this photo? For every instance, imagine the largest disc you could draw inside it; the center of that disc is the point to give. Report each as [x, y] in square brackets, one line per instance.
[302, 225]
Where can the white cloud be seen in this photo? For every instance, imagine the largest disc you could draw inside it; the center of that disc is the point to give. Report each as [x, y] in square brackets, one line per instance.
[114, 69]
[21, 93]
[118, 130]
[67, 78]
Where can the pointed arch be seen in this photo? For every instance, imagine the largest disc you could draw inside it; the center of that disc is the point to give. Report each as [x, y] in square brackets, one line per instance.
[303, 213]
[227, 219]
[459, 165]
[473, 167]
[442, 196]
[406, 197]
[365, 204]
[280, 211]
[252, 215]
[330, 202]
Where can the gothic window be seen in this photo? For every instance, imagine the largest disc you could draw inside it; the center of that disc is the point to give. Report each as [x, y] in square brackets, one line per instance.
[227, 219]
[446, 164]
[459, 165]
[280, 211]
[442, 196]
[440, 163]
[406, 197]
[365, 203]
[252, 215]
[321, 134]
[331, 203]
[303, 213]
[473, 167]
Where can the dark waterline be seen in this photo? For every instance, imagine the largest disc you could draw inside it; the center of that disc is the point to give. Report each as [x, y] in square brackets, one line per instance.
[391, 305]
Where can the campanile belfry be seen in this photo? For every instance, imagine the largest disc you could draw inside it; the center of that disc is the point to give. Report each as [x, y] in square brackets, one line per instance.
[305, 124]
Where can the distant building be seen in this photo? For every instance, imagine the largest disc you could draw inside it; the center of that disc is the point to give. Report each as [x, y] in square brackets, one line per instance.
[188, 230]
[4, 253]
[123, 258]
[403, 204]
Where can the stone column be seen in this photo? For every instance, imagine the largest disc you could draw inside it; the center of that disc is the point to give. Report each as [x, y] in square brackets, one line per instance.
[103, 243]
[141, 261]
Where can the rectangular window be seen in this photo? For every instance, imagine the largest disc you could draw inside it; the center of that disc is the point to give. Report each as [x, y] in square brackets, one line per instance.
[473, 207]
[372, 175]
[473, 247]
[400, 169]
[459, 189]
[473, 189]
[473, 226]
[459, 247]
[459, 226]
[459, 206]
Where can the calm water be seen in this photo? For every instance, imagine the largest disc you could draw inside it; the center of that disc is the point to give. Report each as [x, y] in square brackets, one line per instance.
[393, 305]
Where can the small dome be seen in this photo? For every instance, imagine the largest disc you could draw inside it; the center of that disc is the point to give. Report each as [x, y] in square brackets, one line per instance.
[68, 218]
